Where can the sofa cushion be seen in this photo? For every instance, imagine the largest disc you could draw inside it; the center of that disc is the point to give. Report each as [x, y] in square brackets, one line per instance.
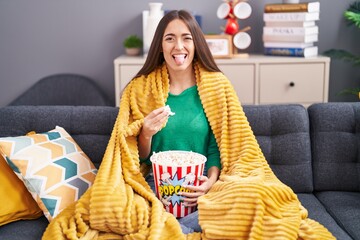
[282, 132]
[24, 229]
[16, 203]
[319, 213]
[344, 207]
[53, 167]
[335, 133]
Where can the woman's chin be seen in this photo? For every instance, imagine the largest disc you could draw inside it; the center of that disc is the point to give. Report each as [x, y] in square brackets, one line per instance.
[179, 66]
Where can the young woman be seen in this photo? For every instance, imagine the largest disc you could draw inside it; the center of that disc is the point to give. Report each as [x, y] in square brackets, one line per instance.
[253, 203]
[179, 42]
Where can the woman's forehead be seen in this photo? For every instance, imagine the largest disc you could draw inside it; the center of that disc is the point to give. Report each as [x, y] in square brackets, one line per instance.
[176, 26]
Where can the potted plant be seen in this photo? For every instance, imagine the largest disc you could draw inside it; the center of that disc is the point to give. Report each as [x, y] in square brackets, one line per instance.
[133, 45]
[352, 14]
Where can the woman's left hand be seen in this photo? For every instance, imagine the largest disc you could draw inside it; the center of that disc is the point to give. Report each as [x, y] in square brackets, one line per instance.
[190, 198]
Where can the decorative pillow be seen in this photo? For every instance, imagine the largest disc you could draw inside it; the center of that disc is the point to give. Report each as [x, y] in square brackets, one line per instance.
[16, 202]
[52, 166]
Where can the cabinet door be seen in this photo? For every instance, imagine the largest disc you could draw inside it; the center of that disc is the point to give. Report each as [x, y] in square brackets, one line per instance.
[127, 72]
[123, 74]
[292, 83]
[243, 79]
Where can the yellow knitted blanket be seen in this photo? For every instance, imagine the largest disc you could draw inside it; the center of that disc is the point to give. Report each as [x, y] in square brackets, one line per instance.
[248, 201]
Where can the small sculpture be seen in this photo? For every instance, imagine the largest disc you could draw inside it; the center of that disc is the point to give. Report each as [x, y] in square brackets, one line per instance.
[232, 10]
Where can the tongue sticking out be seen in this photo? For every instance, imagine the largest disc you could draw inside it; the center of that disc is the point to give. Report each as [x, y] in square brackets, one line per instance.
[179, 59]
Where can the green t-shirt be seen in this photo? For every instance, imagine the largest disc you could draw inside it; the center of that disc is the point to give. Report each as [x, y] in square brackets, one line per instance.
[188, 129]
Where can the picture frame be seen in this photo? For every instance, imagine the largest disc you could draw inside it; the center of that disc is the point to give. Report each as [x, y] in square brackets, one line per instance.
[220, 45]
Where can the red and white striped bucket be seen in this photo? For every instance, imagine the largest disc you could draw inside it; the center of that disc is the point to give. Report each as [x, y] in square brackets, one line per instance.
[170, 180]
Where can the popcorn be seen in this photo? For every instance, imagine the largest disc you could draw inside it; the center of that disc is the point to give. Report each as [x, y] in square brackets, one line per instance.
[173, 172]
[189, 179]
[168, 110]
[165, 177]
[177, 158]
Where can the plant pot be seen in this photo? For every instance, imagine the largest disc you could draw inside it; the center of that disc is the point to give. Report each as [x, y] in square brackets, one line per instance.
[132, 51]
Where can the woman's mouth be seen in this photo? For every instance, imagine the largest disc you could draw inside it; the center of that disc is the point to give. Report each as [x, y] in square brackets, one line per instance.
[179, 58]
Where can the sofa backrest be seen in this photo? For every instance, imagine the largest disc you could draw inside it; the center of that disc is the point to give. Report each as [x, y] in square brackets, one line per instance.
[282, 132]
[335, 136]
[63, 89]
[90, 126]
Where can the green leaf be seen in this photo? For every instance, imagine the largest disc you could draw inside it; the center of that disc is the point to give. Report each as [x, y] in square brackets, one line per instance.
[354, 18]
[343, 55]
[353, 91]
[355, 7]
[352, 15]
[133, 41]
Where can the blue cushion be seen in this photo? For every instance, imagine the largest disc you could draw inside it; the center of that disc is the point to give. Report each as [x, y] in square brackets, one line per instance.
[344, 207]
[319, 213]
[335, 133]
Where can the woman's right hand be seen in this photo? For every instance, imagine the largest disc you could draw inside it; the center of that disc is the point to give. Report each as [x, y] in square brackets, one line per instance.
[154, 121]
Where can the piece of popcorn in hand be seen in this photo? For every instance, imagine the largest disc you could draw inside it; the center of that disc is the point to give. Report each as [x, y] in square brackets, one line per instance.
[168, 110]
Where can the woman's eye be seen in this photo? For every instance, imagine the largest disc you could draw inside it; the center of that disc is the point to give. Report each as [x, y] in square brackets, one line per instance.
[169, 38]
[187, 37]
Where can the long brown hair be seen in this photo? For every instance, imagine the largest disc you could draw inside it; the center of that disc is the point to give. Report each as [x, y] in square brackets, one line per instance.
[202, 52]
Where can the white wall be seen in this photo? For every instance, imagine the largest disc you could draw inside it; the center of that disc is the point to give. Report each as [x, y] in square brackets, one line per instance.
[43, 37]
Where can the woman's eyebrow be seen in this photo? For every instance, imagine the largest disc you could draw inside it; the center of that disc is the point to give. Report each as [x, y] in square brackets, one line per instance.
[169, 34]
[172, 34]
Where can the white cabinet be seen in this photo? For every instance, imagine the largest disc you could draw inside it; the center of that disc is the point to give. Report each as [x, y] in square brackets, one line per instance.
[242, 76]
[257, 79]
[292, 83]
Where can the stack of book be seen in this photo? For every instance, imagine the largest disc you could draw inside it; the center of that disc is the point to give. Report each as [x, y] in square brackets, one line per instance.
[291, 30]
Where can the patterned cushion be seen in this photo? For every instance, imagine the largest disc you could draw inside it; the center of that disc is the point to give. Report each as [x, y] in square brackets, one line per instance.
[16, 202]
[52, 166]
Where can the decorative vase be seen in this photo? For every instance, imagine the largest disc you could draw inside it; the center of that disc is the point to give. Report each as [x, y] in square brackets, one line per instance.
[151, 19]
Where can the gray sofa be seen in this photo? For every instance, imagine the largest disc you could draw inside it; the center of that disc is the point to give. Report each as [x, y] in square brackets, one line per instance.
[315, 151]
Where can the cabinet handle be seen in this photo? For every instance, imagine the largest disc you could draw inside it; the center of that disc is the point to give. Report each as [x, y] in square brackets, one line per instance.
[292, 84]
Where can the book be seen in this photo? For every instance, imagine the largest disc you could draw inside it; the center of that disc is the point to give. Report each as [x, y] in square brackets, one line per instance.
[292, 16]
[298, 7]
[290, 38]
[288, 44]
[291, 30]
[294, 52]
[290, 24]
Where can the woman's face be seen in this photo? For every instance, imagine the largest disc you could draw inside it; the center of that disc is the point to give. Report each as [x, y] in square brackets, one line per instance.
[178, 46]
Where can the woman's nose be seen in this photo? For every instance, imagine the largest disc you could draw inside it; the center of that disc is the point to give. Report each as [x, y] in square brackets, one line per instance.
[179, 45]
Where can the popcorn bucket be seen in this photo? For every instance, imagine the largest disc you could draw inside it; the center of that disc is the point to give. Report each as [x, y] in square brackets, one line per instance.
[172, 171]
